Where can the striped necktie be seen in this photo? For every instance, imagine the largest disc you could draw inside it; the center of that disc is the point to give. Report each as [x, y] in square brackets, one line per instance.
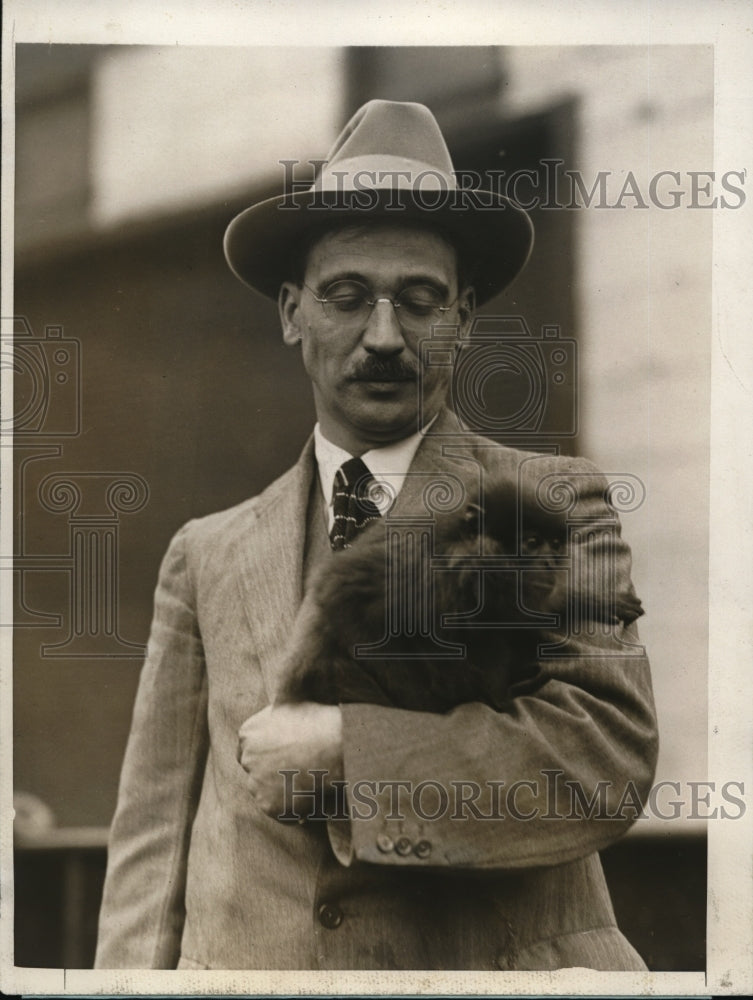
[352, 507]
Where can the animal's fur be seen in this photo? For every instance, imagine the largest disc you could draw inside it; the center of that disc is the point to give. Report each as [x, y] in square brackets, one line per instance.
[345, 608]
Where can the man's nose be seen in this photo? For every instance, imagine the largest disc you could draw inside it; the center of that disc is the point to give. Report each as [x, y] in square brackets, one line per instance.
[383, 333]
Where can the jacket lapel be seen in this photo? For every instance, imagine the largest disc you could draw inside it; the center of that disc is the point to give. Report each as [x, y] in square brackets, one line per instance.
[272, 562]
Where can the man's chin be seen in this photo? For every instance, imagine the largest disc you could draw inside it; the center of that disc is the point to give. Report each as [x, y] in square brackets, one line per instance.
[394, 422]
[384, 412]
[387, 417]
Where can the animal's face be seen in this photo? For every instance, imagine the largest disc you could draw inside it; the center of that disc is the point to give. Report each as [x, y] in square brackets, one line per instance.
[504, 536]
[364, 360]
[507, 520]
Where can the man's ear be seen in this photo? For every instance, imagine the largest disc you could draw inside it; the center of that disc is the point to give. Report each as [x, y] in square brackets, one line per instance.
[466, 310]
[288, 305]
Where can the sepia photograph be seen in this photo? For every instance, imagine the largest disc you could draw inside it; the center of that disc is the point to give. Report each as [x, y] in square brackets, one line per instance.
[366, 627]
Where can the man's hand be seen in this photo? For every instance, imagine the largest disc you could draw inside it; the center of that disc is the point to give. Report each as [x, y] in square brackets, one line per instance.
[302, 737]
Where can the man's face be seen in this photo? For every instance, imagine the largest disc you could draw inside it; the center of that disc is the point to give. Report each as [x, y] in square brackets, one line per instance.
[364, 362]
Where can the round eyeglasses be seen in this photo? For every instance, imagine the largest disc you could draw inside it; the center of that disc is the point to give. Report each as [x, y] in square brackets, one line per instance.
[351, 303]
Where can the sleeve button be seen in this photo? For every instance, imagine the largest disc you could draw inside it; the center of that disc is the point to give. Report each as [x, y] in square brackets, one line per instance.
[422, 849]
[403, 846]
[385, 843]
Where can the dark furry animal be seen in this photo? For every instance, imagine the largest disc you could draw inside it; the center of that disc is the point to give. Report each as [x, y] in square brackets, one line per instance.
[380, 620]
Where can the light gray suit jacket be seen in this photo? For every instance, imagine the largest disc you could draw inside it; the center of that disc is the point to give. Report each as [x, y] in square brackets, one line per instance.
[198, 877]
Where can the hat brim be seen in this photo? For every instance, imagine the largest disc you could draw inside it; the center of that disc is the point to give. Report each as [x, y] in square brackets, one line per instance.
[493, 234]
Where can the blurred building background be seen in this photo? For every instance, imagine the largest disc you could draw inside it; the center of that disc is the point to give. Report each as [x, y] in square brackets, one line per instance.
[161, 372]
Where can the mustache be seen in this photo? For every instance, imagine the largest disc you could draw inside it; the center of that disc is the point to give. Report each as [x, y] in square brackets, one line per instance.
[376, 369]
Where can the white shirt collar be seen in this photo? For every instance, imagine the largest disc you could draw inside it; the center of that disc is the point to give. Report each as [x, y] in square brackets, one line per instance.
[388, 465]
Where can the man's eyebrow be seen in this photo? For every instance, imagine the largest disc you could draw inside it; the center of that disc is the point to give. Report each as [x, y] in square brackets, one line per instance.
[416, 278]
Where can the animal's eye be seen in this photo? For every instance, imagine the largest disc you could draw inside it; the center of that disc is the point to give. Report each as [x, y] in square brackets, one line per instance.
[532, 542]
[470, 523]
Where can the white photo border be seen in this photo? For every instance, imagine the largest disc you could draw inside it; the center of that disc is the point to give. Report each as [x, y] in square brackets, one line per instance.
[728, 26]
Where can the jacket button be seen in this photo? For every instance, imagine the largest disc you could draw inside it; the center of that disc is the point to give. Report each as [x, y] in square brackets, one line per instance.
[385, 843]
[330, 916]
[422, 849]
[403, 846]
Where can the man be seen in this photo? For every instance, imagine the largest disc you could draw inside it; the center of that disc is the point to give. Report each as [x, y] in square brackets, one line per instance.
[202, 871]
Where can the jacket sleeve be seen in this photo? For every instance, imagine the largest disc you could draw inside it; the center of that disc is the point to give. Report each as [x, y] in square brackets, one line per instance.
[561, 772]
[141, 920]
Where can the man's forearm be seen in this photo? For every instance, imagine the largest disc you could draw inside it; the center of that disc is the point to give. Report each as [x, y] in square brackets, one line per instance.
[559, 773]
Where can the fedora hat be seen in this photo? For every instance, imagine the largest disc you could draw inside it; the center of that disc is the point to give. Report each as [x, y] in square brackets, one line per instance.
[390, 163]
